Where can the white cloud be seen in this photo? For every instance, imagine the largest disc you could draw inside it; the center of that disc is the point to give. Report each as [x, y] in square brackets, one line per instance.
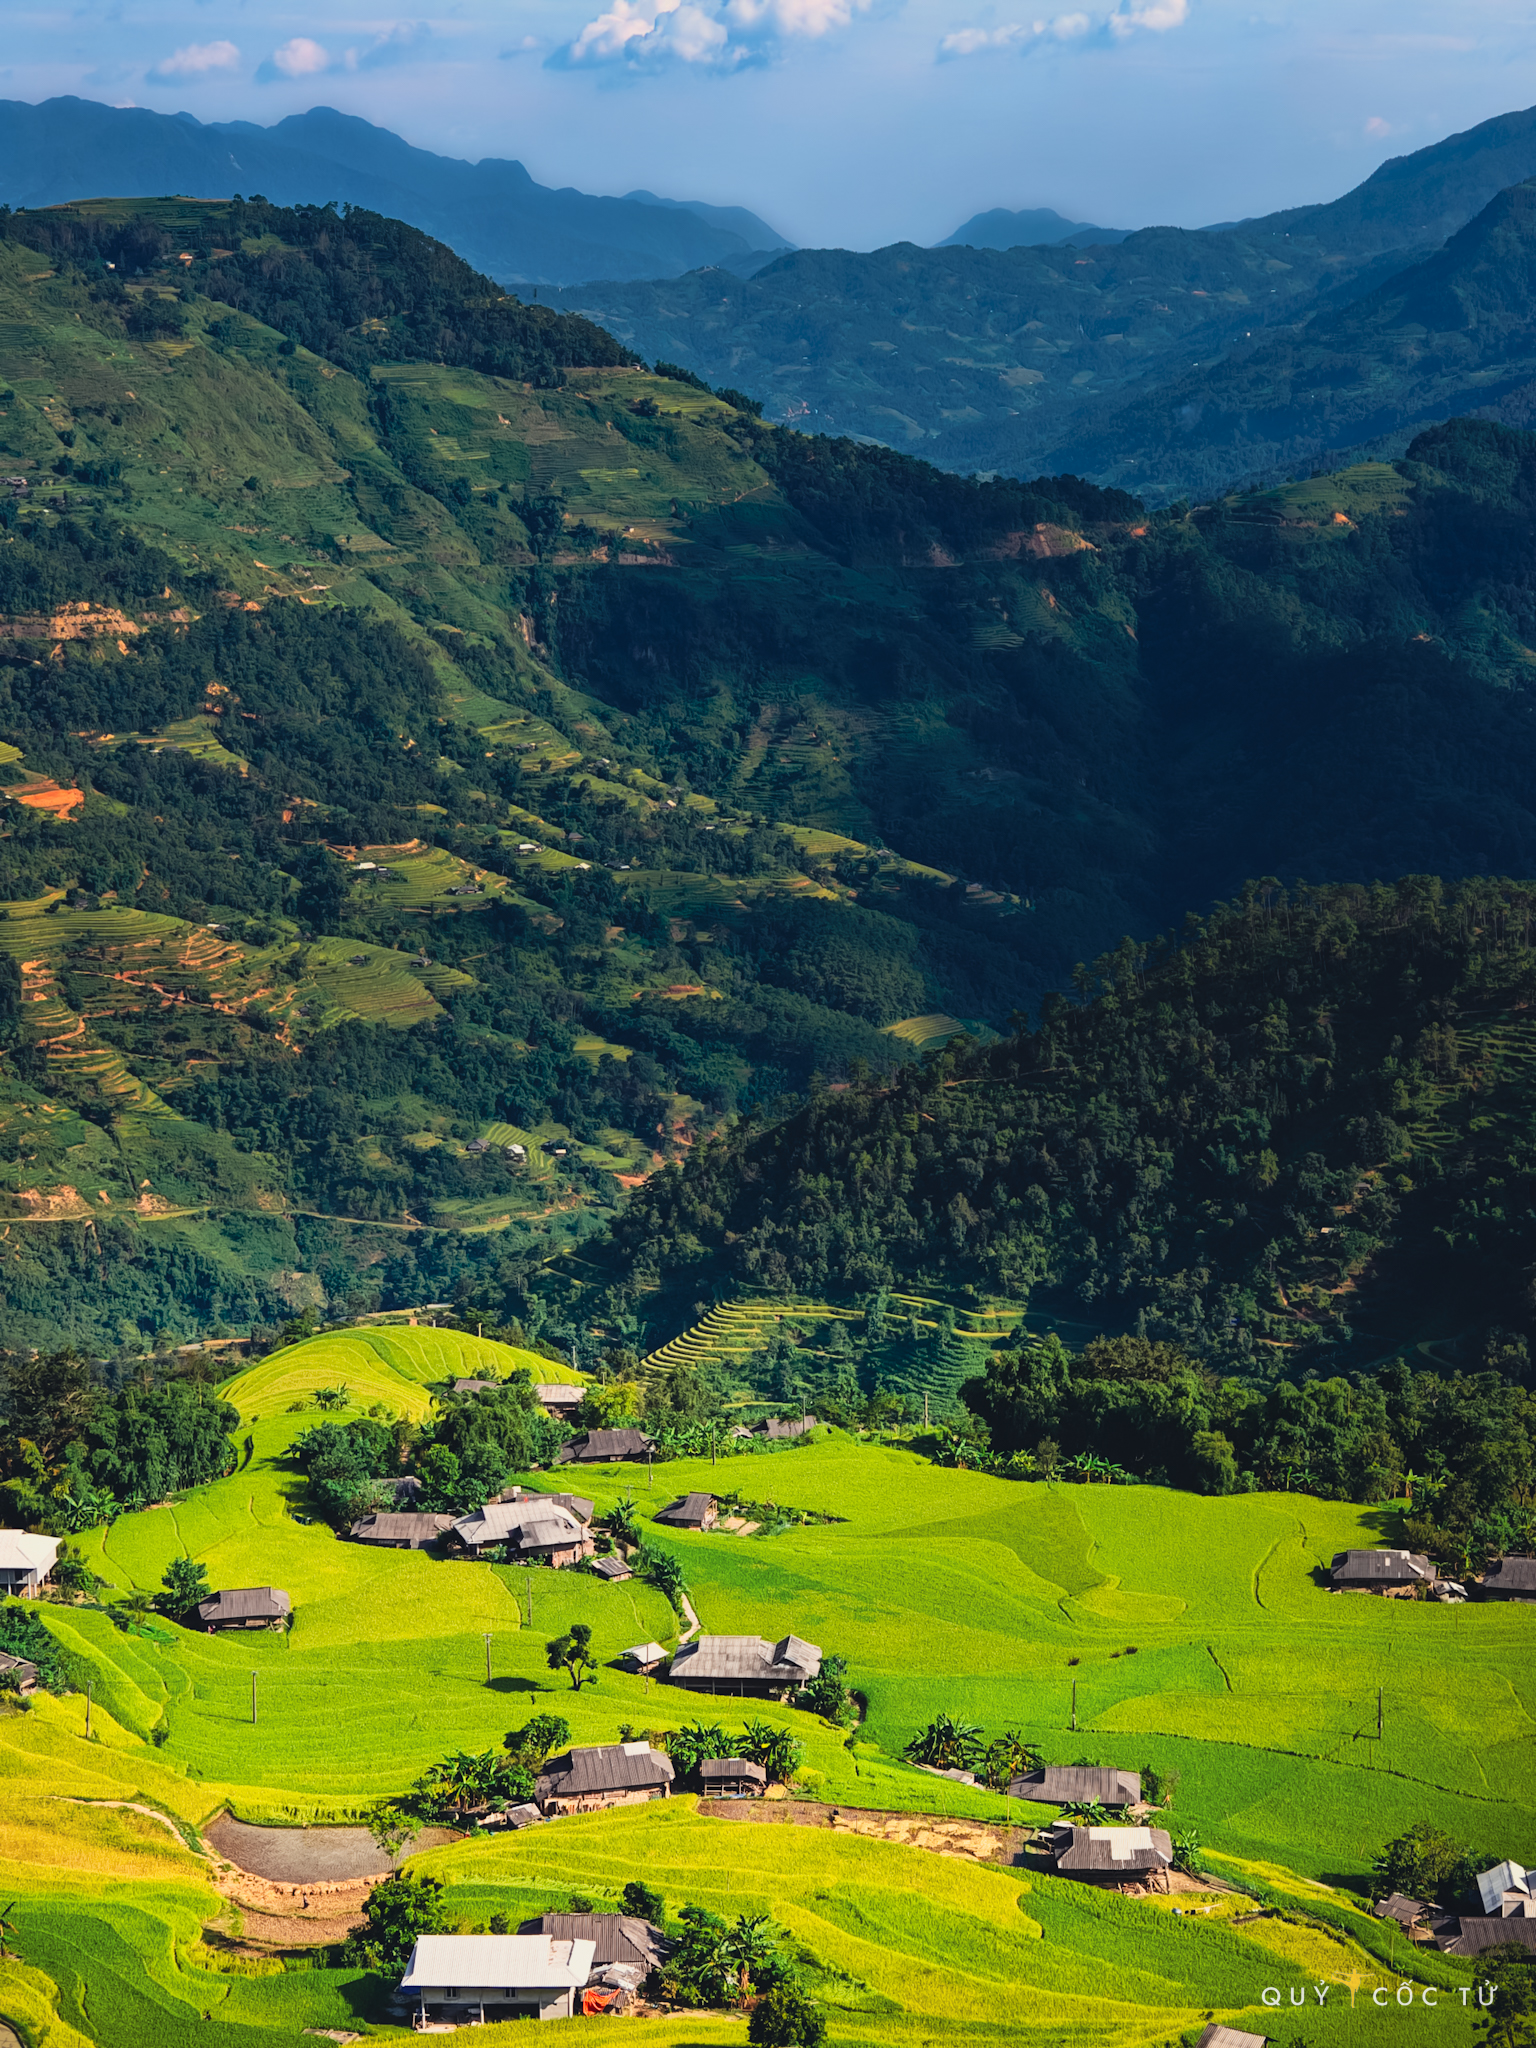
[1158, 16]
[196, 60]
[1378, 129]
[524, 47]
[711, 35]
[301, 58]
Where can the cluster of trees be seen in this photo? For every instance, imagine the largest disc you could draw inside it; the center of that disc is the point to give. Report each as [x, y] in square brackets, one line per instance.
[349, 284]
[75, 1450]
[759, 1742]
[24, 1635]
[947, 1744]
[467, 1452]
[1462, 1446]
[1255, 1136]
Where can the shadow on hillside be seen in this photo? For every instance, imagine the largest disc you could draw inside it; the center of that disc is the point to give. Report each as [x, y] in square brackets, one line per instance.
[514, 1685]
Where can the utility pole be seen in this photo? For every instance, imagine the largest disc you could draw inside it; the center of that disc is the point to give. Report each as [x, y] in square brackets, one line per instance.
[1378, 1710]
[89, 1684]
[925, 1407]
[487, 1656]
[1074, 1706]
[253, 1699]
[528, 1582]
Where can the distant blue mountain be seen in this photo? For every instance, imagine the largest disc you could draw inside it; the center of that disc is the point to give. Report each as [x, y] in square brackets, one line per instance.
[492, 213]
[1034, 228]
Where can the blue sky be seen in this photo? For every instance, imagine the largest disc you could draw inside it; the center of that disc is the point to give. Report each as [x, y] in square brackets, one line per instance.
[852, 122]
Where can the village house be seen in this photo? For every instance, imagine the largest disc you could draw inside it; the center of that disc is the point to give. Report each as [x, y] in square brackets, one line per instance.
[539, 1529]
[745, 1665]
[1509, 1890]
[16, 1674]
[1078, 1785]
[400, 1532]
[1512, 1578]
[616, 1774]
[472, 1386]
[481, 1978]
[615, 1937]
[1110, 1855]
[732, 1777]
[615, 1569]
[246, 1607]
[560, 1401]
[605, 1447]
[1473, 1934]
[1405, 1911]
[1218, 2036]
[25, 1562]
[778, 1427]
[645, 1659]
[1395, 1574]
[693, 1511]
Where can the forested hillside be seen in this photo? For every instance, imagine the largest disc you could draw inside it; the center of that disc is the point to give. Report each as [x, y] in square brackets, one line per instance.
[1290, 1137]
[436, 794]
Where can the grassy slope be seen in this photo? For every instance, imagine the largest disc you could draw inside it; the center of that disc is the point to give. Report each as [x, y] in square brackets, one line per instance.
[945, 1589]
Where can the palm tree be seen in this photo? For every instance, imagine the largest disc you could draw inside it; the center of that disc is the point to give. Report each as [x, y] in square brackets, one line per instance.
[697, 1743]
[1009, 1757]
[947, 1745]
[774, 1748]
[747, 1948]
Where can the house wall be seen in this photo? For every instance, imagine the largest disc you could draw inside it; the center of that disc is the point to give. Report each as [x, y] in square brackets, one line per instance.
[25, 1583]
[551, 2005]
[598, 1802]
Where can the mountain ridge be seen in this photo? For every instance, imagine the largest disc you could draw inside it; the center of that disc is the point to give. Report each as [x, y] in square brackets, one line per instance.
[493, 212]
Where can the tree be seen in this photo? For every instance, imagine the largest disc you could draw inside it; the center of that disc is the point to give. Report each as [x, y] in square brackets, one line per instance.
[828, 1693]
[698, 1742]
[749, 1948]
[537, 1739]
[643, 1902]
[659, 1568]
[1008, 1757]
[186, 1584]
[947, 1745]
[572, 1652]
[391, 1828]
[398, 1910]
[1424, 1862]
[622, 1523]
[783, 2019]
[1510, 2022]
[774, 1748]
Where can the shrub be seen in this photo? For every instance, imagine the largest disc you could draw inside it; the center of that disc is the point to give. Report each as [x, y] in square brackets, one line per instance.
[783, 2019]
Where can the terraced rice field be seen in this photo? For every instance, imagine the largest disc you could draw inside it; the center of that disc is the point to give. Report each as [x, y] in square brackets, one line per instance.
[1192, 1631]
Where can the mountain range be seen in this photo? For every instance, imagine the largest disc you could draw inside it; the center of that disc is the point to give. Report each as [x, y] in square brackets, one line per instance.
[425, 731]
[1178, 361]
[492, 212]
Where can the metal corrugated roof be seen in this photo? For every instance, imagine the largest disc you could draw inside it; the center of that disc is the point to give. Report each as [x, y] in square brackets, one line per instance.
[692, 1507]
[1121, 1849]
[1078, 1785]
[401, 1528]
[1512, 1573]
[1391, 1567]
[613, 1767]
[1504, 1877]
[732, 1767]
[615, 1937]
[1218, 2036]
[726, 1657]
[530, 1962]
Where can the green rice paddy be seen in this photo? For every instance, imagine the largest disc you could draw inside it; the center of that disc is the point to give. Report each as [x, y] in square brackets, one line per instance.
[1190, 1632]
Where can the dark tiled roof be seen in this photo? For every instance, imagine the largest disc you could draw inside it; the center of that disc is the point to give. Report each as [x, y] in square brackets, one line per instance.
[1512, 1574]
[1383, 1567]
[732, 1767]
[611, 1568]
[401, 1528]
[1399, 1908]
[605, 1443]
[690, 1511]
[1122, 1850]
[791, 1661]
[1474, 1934]
[1078, 1785]
[615, 1767]
[615, 1937]
[246, 1603]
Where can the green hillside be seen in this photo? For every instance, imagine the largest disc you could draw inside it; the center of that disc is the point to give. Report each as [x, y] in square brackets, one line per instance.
[1192, 1633]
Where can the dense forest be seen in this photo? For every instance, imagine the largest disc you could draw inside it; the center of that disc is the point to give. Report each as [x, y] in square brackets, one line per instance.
[1288, 1134]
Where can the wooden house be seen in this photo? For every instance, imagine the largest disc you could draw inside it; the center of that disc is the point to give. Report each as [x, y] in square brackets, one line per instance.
[246, 1607]
[614, 1569]
[745, 1665]
[539, 1529]
[605, 1447]
[732, 1777]
[693, 1511]
[1512, 1578]
[779, 1427]
[1111, 1855]
[1395, 1574]
[558, 1400]
[400, 1532]
[615, 1774]
[1078, 1785]
[645, 1659]
[615, 1937]
[17, 1674]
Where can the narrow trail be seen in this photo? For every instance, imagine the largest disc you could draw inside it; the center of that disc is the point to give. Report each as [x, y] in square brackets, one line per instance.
[694, 1624]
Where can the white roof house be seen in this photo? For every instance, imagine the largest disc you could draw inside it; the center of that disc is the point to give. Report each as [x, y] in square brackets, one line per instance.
[537, 1525]
[498, 1976]
[1509, 1890]
[25, 1562]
